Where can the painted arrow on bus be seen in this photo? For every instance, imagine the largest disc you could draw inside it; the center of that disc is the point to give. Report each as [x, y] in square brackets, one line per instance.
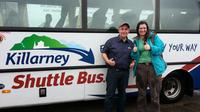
[87, 56]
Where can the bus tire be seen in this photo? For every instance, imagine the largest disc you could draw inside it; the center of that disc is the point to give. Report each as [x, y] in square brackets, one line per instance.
[172, 89]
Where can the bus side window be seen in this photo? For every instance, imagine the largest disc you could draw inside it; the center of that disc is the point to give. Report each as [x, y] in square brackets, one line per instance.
[179, 15]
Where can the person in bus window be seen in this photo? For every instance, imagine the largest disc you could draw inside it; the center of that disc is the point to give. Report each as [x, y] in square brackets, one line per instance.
[99, 18]
[48, 20]
[149, 66]
[68, 9]
[12, 19]
[116, 54]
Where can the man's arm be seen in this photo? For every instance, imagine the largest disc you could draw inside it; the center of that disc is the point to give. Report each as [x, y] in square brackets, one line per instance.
[111, 61]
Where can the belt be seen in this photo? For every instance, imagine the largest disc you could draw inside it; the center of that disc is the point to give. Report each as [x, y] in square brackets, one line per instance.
[119, 69]
[148, 63]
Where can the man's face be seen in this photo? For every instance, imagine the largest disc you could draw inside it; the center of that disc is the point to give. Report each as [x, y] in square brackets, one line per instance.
[123, 31]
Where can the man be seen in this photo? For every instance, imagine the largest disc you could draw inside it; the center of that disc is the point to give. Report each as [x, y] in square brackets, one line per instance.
[116, 54]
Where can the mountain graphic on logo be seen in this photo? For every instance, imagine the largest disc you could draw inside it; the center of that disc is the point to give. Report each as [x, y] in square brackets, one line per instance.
[35, 42]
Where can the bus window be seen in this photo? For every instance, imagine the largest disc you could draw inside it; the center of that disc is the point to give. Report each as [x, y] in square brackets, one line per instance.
[9, 14]
[48, 13]
[104, 14]
[179, 15]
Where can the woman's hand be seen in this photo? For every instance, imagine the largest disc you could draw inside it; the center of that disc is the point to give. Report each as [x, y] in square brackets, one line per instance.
[132, 64]
[147, 47]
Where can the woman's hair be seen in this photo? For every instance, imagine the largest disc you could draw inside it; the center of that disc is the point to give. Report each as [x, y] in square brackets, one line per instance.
[137, 28]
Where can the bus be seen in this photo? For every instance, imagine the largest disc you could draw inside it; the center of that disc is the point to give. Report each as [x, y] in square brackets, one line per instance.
[50, 49]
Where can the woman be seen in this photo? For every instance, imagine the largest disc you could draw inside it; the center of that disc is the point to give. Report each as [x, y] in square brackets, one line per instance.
[149, 66]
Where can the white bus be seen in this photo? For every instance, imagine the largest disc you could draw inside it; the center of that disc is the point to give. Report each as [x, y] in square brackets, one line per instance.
[50, 49]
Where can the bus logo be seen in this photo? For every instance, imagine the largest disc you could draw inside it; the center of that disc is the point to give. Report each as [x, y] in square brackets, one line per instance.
[44, 43]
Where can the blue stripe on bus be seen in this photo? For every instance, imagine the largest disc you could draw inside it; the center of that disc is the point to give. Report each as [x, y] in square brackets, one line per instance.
[195, 73]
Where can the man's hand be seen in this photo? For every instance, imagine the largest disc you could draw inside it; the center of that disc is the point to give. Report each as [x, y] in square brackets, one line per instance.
[111, 62]
[134, 49]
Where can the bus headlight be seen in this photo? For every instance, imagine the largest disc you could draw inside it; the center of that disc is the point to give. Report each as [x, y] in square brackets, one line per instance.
[2, 86]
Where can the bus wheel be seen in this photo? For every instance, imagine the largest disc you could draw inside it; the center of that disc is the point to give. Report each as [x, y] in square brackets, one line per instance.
[172, 89]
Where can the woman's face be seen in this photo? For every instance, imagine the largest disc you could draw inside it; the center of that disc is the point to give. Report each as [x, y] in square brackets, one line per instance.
[142, 29]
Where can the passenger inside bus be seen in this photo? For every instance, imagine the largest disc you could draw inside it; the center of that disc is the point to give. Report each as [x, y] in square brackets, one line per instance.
[68, 9]
[12, 19]
[150, 20]
[99, 18]
[48, 20]
[130, 18]
[116, 20]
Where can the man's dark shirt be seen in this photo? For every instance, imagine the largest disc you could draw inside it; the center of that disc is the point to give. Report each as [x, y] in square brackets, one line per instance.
[119, 50]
